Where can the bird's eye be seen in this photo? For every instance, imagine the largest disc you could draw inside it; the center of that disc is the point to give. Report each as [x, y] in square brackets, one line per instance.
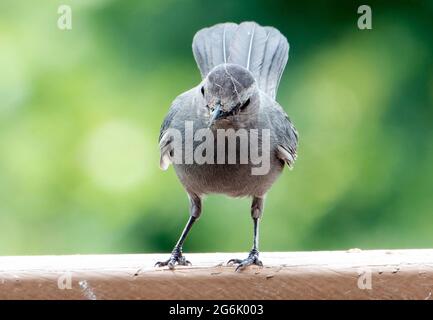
[202, 91]
[245, 104]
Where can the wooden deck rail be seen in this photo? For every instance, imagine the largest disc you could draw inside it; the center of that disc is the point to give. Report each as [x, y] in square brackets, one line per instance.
[352, 274]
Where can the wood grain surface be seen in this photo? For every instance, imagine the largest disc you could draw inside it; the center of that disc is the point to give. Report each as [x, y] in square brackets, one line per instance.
[352, 274]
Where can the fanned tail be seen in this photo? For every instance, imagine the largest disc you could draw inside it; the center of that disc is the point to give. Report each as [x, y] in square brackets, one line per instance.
[262, 50]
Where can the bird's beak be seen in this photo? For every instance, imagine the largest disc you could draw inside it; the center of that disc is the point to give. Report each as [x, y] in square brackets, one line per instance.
[216, 114]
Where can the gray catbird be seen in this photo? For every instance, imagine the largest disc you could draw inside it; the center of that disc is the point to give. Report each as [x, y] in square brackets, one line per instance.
[241, 66]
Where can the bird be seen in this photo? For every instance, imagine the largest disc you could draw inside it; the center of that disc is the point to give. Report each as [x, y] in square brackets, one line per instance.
[241, 66]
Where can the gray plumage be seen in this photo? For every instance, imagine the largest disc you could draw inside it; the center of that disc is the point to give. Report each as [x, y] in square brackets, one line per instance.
[241, 67]
[262, 50]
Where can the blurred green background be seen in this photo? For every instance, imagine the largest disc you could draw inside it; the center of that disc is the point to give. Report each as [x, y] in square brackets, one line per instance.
[80, 112]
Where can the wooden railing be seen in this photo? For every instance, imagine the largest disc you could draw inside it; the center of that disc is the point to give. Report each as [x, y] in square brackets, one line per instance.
[352, 274]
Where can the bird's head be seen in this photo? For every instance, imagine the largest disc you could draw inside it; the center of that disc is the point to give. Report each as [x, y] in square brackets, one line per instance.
[229, 91]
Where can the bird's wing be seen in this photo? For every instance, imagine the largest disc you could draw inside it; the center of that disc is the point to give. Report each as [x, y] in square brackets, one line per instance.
[286, 135]
[165, 139]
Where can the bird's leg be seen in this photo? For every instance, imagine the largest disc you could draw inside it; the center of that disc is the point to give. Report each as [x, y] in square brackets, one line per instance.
[253, 256]
[176, 255]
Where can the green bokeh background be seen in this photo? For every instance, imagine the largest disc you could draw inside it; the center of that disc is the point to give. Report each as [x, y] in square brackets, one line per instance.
[80, 112]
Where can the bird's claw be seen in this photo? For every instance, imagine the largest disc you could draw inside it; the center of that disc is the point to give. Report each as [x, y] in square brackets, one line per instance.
[176, 258]
[253, 258]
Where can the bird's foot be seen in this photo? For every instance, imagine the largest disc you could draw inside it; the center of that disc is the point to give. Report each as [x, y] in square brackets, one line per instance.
[253, 258]
[175, 258]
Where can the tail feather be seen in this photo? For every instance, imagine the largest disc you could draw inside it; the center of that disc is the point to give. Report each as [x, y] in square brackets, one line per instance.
[262, 50]
[248, 47]
[211, 46]
[274, 61]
